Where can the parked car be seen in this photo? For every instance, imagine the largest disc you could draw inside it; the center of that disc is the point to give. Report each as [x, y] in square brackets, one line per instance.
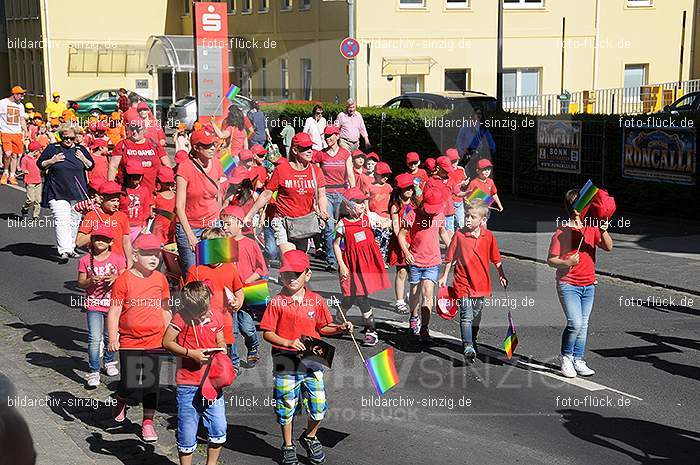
[689, 102]
[449, 100]
[185, 109]
[103, 101]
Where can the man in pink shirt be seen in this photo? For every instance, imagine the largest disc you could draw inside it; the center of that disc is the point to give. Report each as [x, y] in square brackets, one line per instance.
[352, 126]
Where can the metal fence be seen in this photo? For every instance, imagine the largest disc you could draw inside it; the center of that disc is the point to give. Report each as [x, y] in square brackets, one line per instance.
[624, 100]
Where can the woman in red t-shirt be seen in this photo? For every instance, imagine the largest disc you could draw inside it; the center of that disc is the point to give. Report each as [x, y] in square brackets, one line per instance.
[572, 253]
[198, 195]
[233, 130]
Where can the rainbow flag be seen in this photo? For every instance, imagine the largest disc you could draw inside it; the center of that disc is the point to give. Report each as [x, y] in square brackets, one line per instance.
[478, 194]
[227, 161]
[232, 92]
[585, 195]
[382, 370]
[257, 295]
[212, 251]
[511, 340]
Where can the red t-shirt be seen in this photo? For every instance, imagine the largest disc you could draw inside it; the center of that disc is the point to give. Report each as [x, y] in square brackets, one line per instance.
[446, 186]
[472, 256]
[486, 186]
[295, 189]
[33, 176]
[456, 178]
[202, 205]
[118, 222]
[98, 295]
[147, 152]
[425, 239]
[189, 372]
[261, 175]
[100, 167]
[136, 204]
[564, 244]
[163, 226]
[334, 168]
[155, 132]
[250, 259]
[379, 196]
[420, 176]
[141, 324]
[363, 181]
[290, 319]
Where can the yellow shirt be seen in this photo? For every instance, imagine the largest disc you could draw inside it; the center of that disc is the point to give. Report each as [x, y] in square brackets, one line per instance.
[54, 110]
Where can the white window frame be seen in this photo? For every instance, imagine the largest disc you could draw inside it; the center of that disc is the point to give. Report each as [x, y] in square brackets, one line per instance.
[247, 7]
[639, 3]
[287, 5]
[306, 84]
[304, 5]
[231, 7]
[185, 7]
[412, 6]
[467, 77]
[420, 82]
[523, 5]
[263, 6]
[263, 77]
[519, 80]
[463, 5]
[284, 78]
[633, 97]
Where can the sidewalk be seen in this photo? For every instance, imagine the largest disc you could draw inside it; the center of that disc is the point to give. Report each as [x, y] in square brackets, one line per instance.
[663, 252]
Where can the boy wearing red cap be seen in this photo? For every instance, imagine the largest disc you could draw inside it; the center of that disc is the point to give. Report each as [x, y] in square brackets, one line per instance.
[371, 164]
[137, 201]
[109, 214]
[32, 180]
[379, 194]
[293, 313]
[471, 250]
[362, 180]
[441, 180]
[457, 178]
[484, 182]
[420, 177]
[99, 150]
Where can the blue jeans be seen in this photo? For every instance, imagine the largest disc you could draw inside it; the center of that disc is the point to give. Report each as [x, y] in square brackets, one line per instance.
[243, 323]
[459, 214]
[271, 249]
[97, 336]
[470, 318]
[417, 274]
[334, 201]
[191, 406]
[187, 257]
[450, 223]
[577, 302]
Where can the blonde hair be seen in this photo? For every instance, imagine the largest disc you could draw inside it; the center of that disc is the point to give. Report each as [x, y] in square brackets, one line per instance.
[479, 206]
[213, 233]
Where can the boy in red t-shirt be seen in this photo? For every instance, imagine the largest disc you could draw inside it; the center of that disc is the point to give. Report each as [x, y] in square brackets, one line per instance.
[32, 180]
[458, 178]
[484, 182]
[293, 313]
[99, 150]
[420, 177]
[108, 213]
[471, 249]
[137, 202]
[362, 181]
[379, 194]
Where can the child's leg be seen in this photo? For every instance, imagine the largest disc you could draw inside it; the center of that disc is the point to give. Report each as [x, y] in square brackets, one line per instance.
[366, 309]
[414, 291]
[37, 201]
[286, 392]
[96, 327]
[427, 300]
[151, 384]
[314, 391]
[187, 422]
[246, 326]
[469, 319]
[400, 282]
[235, 359]
[108, 357]
[214, 419]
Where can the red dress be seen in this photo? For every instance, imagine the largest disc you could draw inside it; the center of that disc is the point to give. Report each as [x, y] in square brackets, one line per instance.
[363, 259]
[407, 215]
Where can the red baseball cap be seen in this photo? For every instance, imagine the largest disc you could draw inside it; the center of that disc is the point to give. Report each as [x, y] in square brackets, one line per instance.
[134, 167]
[302, 139]
[202, 137]
[240, 174]
[110, 188]
[445, 163]
[101, 229]
[166, 174]
[102, 125]
[233, 210]
[331, 129]
[446, 303]
[354, 193]
[433, 201]
[373, 156]
[148, 242]
[34, 146]
[382, 168]
[181, 156]
[358, 153]
[483, 163]
[96, 182]
[452, 154]
[404, 180]
[430, 164]
[258, 149]
[295, 260]
[97, 143]
[245, 155]
[142, 106]
[412, 157]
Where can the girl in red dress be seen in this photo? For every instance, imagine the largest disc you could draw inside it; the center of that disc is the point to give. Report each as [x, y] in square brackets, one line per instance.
[401, 206]
[164, 219]
[359, 259]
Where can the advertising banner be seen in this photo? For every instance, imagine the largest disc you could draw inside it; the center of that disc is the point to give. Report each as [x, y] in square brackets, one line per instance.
[661, 155]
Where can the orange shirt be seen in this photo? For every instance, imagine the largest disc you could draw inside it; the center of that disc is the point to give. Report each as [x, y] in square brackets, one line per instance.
[116, 134]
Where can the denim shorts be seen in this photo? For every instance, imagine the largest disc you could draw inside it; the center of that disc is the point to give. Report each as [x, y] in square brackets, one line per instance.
[191, 406]
[417, 274]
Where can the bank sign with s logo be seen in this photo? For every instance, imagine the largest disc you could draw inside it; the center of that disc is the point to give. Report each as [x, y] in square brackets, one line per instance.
[211, 39]
[211, 21]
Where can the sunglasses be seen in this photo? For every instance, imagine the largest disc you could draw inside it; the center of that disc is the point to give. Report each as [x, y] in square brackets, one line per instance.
[206, 146]
[304, 149]
[68, 138]
[319, 112]
[260, 155]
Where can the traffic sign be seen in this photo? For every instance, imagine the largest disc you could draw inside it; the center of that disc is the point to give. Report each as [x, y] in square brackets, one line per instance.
[349, 48]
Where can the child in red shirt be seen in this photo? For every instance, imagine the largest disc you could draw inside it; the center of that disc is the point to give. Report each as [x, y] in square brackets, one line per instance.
[194, 334]
[137, 318]
[293, 313]
[379, 194]
[32, 180]
[457, 178]
[471, 250]
[420, 177]
[164, 205]
[109, 214]
[137, 201]
[402, 204]
[484, 182]
[360, 262]
[362, 181]
[99, 151]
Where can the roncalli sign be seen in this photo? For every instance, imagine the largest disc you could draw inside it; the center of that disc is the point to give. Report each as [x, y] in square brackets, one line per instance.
[661, 155]
[559, 146]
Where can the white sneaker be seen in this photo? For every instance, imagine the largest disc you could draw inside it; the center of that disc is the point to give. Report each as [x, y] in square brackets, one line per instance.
[111, 369]
[582, 369]
[93, 379]
[401, 306]
[567, 366]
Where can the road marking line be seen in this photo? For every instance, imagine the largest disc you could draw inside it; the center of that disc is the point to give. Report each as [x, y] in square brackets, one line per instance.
[19, 188]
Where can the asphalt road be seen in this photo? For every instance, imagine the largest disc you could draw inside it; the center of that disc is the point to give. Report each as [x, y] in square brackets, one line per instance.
[640, 407]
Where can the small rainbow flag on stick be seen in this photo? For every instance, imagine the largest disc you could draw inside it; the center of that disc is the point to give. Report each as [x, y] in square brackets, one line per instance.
[511, 340]
[212, 251]
[227, 161]
[478, 194]
[382, 370]
[585, 195]
[257, 295]
[232, 92]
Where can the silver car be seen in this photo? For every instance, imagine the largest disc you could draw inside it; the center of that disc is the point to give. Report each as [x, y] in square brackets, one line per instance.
[184, 110]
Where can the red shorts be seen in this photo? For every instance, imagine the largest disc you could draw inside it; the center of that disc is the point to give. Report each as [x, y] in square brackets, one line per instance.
[12, 143]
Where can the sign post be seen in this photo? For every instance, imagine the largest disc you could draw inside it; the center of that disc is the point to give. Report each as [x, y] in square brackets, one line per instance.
[211, 48]
[349, 49]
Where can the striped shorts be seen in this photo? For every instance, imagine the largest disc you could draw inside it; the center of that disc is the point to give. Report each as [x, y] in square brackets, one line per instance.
[294, 391]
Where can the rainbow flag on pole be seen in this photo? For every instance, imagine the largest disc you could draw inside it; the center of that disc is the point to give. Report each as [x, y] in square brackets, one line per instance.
[511, 340]
[212, 251]
[232, 92]
[478, 194]
[382, 370]
[257, 295]
[227, 161]
[585, 195]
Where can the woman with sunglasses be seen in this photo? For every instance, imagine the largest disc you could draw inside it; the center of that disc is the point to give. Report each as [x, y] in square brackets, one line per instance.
[314, 126]
[199, 190]
[65, 181]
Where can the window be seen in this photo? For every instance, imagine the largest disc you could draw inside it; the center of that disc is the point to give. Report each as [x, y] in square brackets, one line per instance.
[284, 77]
[634, 3]
[521, 82]
[306, 78]
[635, 75]
[457, 79]
[231, 6]
[411, 83]
[263, 77]
[411, 3]
[305, 5]
[185, 7]
[685, 103]
[286, 5]
[456, 4]
[263, 6]
[247, 8]
[517, 4]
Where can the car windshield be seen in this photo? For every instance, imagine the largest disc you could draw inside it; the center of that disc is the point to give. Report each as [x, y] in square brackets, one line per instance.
[183, 101]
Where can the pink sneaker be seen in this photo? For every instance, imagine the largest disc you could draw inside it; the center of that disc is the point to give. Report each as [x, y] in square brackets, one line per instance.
[148, 431]
[119, 410]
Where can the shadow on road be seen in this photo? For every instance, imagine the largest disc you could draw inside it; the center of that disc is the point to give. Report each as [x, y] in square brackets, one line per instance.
[27, 249]
[128, 451]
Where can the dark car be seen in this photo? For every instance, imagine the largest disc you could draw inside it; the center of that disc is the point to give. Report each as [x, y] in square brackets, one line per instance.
[462, 102]
[103, 101]
[689, 102]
